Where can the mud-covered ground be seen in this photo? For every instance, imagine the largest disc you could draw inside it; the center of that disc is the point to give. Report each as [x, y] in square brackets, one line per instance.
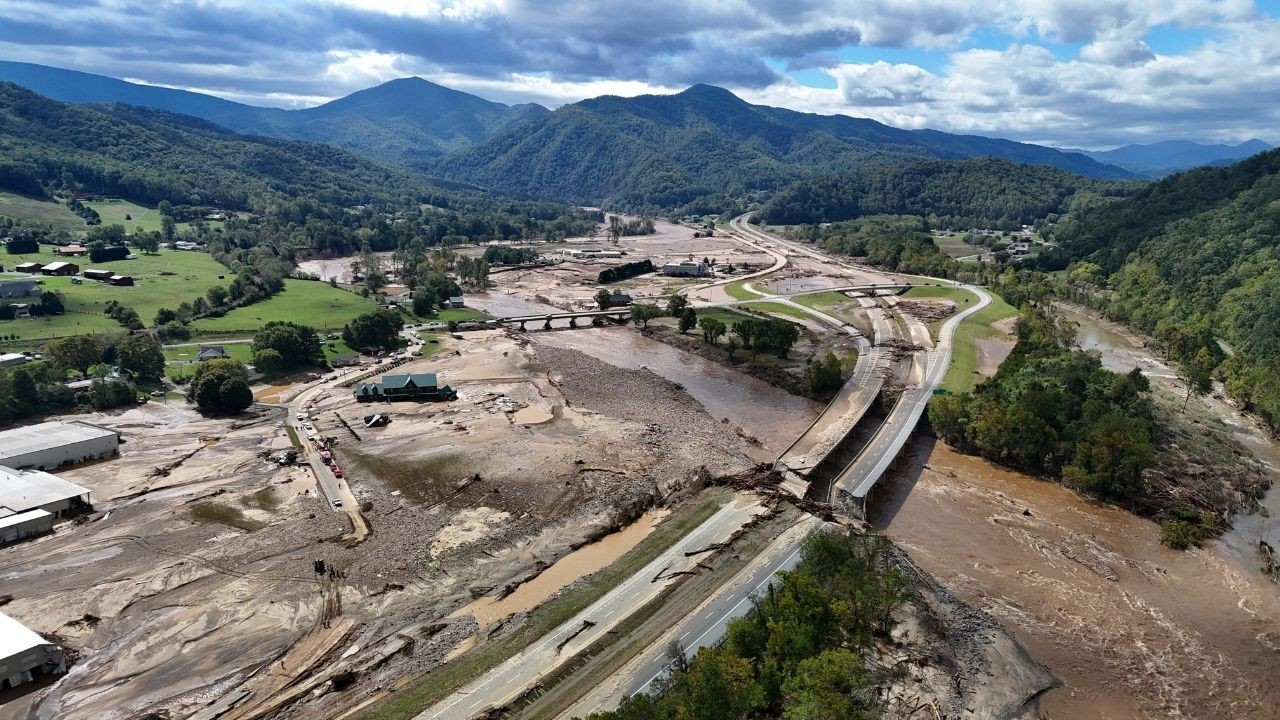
[194, 579]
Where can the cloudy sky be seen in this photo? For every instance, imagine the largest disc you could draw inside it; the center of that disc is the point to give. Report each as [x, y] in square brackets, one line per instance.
[1088, 73]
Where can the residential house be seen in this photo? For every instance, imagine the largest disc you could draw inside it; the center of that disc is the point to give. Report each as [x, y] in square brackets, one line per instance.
[211, 352]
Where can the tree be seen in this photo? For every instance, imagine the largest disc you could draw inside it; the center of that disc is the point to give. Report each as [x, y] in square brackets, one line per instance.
[602, 298]
[76, 352]
[643, 313]
[824, 375]
[217, 296]
[731, 347]
[424, 303]
[220, 386]
[1198, 374]
[147, 242]
[167, 228]
[142, 356]
[676, 305]
[688, 319]
[165, 315]
[376, 330]
[712, 329]
[51, 303]
[268, 360]
[295, 345]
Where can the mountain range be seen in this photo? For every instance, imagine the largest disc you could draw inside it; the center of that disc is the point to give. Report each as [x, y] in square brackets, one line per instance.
[408, 121]
[1163, 158]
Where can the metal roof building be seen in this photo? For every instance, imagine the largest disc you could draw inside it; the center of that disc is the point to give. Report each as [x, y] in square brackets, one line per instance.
[24, 525]
[50, 445]
[24, 653]
[25, 490]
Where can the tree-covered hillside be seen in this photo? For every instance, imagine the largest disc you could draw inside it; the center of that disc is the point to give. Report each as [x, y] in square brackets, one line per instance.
[151, 155]
[406, 121]
[662, 151]
[975, 192]
[1192, 259]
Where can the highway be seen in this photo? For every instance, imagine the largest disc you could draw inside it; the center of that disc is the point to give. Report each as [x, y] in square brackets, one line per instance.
[508, 680]
[709, 623]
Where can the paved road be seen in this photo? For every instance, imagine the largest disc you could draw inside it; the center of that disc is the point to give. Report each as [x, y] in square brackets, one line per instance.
[508, 680]
[862, 474]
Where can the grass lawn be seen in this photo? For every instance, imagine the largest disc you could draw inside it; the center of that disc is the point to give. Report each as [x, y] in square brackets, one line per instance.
[162, 280]
[308, 302]
[113, 212]
[960, 376]
[956, 295]
[728, 316]
[738, 290]
[33, 210]
[453, 315]
[955, 246]
[778, 309]
[187, 353]
[434, 687]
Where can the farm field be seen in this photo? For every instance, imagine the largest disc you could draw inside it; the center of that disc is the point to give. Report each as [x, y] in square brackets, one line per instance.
[34, 210]
[955, 246]
[162, 280]
[146, 219]
[307, 302]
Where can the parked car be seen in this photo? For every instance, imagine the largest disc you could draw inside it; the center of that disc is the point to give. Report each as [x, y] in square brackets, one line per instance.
[337, 471]
[308, 426]
[301, 417]
[157, 393]
[337, 503]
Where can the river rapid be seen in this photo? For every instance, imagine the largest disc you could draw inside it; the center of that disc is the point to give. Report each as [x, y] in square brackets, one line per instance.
[1132, 628]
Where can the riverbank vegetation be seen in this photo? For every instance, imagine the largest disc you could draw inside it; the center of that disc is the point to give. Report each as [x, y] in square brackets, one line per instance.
[799, 653]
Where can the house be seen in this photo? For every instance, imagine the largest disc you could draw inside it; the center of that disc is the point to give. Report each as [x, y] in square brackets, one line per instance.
[414, 386]
[344, 360]
[72, 250]
[211, 352]
[99, 275]
[618, 299]
[60, 268]
[13, 287]
[456, 302]
[686, 268]
[122, 280]
[28, 267]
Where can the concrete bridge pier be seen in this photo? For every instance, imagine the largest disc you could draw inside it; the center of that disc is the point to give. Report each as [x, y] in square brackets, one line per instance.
[597, 321]
[522, 328]
[573, 322]
[546, 325]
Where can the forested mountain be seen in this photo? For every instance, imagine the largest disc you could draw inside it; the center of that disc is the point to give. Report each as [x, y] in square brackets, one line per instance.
[1192, 259]
[665, 150]
[150, 155]
[406, 121]
[1162, 158]
[974, 192]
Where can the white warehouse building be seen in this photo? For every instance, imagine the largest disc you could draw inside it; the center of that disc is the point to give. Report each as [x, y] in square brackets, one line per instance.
[23, 654]
[50, 445]
[22, 491]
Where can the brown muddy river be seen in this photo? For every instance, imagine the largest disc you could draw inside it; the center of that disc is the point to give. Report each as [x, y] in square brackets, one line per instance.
[774, 416]
[1132, 628]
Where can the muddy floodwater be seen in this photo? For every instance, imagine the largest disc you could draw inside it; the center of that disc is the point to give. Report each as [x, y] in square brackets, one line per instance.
[1132, 628]
[577, 564]
[772, 415]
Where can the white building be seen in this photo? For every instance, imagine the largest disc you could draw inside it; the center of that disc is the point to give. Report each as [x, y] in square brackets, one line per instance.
[22, 491]
[686, 268]
[50, 445]
[23, 654]
[21, 526]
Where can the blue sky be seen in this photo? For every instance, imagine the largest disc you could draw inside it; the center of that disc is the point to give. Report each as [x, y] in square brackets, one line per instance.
[1081, 73]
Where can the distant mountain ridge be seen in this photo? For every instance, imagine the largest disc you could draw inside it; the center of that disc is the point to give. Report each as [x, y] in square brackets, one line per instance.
[670, 150]
[1170, 156]
[408, 121]
[651, 151]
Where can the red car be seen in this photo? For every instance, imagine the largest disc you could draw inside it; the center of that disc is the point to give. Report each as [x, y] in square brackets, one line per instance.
[337, 471]
[325, 456]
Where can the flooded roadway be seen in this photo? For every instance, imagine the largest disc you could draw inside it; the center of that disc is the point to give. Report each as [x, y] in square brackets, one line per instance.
[1134, 629]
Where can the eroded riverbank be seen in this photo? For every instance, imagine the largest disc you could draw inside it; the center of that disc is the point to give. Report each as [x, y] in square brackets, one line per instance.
[1134, 629]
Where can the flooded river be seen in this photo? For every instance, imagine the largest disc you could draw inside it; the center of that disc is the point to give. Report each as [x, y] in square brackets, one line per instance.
[774, 416]
[1133, 629]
